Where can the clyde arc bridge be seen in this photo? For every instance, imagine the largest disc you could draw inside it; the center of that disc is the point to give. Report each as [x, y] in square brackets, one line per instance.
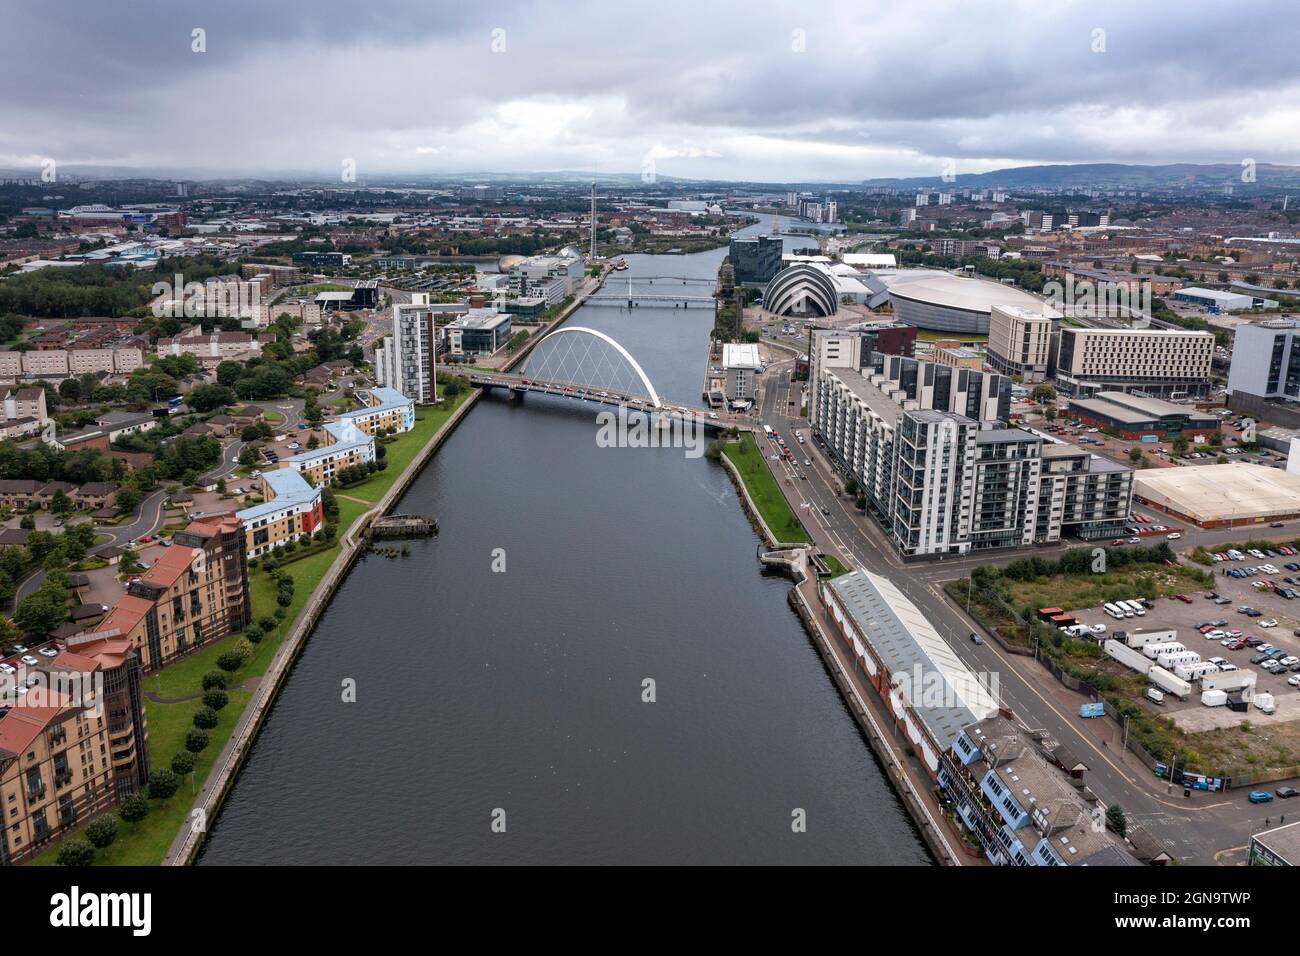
[587, 365]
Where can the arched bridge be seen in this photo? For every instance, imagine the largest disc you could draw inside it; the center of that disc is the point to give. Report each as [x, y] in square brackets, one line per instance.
[587, 365]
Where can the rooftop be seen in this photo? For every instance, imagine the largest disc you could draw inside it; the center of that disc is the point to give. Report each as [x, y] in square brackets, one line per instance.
[1283, 841]
[740, 356]
[907, 643]
[1218, 492]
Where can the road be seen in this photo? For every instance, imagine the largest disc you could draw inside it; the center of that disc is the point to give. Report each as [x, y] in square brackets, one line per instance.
[1204, 829]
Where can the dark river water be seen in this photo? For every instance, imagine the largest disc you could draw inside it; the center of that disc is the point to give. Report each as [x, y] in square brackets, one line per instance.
[481, 692]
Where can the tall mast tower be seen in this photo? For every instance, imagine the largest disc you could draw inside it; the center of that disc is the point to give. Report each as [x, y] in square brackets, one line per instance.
[593, 221]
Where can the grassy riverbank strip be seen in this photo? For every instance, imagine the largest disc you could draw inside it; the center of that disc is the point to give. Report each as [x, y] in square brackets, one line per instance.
[747, 458]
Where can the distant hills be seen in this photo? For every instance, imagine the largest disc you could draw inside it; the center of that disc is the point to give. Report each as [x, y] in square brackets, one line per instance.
[1110, 175]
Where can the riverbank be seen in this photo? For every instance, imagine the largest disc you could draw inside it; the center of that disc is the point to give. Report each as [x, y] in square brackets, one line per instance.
[761, 493]
[170, 693]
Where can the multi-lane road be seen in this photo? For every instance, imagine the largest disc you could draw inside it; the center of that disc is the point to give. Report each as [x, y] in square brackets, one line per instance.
[1204, 828]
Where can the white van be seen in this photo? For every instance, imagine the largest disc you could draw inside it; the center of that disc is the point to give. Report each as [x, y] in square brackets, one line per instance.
[1114, 611]
[1136, 607]
[1155, 696]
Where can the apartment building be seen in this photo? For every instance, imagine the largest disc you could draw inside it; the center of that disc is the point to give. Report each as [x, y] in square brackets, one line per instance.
[197, 591]
[60, 363]
[23, 412]
[213, 348]
[347, 446]
[407, 360]
[292, 509]
[385, 408]
[1162, 363]
[72, 744]
[1022, 341]
[1081, 494]
[942, 482]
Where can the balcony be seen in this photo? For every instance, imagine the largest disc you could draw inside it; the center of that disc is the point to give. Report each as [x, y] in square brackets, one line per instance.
[36, 793]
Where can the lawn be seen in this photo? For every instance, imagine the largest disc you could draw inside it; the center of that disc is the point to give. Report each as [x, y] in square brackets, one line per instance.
[147, 842]
[763, 489]
[1074, 591]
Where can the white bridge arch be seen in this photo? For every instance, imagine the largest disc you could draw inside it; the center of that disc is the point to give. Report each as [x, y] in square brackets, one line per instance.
[550, 364]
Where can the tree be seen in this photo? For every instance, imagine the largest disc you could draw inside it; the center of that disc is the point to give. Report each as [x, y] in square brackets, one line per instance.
[205, 718]
[1116, 819]
[215, 699]
[1180, 445]
[206, 397]
[196, 740]
[76, 853]
[228, 373]
[230, 661]
[248, 456]
[163, 784]
[102, 832]
[133, 808]
[182, 763]
[1044, 393]
[43, 610]
[214, 680]
[1135, 455]
[61, 504]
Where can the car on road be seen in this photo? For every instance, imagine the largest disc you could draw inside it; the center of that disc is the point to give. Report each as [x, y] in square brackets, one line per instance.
[1173, 536]
[1286, 793]
[1277, 524]
[29, 660]
[1268, 623]
[1117, 542]
[1260, 796]
[975, 638]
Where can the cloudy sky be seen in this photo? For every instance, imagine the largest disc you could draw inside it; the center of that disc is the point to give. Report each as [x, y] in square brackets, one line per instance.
[737, 90]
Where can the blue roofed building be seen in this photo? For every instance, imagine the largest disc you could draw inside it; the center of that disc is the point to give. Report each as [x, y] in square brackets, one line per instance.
[346, 446]
[385, 408]
[292, 509]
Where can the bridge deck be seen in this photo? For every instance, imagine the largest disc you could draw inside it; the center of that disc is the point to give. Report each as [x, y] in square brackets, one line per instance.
[596, 395]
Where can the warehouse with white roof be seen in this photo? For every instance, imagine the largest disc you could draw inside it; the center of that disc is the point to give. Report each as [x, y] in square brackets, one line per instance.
[930, 692]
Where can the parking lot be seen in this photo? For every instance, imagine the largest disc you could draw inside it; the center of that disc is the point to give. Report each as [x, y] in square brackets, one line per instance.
[1238, 627]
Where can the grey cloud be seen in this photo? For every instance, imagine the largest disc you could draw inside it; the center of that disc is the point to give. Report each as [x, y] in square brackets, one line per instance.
[884, 88]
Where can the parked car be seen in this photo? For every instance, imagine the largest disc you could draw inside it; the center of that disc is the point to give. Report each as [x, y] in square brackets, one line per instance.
[1286, 793]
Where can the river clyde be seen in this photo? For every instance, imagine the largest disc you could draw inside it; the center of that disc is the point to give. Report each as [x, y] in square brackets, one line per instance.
[520, 691]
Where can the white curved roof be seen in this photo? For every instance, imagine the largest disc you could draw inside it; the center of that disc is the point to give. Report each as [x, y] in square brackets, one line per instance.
[972, 295]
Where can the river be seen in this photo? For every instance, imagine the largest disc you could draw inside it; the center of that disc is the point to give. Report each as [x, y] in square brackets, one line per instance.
[517, 695]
